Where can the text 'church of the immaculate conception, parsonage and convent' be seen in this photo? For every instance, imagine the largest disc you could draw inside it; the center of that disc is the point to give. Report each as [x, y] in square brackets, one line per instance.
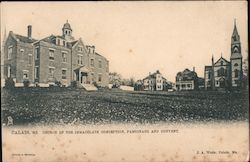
[53, 59]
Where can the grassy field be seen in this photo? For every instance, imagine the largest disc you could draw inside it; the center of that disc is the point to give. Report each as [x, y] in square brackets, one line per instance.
[63, 106]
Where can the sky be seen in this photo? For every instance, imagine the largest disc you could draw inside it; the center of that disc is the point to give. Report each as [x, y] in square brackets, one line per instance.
[139, 37]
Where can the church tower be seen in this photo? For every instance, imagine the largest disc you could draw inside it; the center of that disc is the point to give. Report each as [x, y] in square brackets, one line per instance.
[67, 32]
[236, 59]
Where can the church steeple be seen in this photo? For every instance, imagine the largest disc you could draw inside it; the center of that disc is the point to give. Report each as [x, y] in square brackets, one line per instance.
[235, 35]
[235, 42]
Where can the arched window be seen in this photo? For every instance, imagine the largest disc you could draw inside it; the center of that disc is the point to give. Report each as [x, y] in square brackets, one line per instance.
[236, 73]
[222, 71]
[235, 64]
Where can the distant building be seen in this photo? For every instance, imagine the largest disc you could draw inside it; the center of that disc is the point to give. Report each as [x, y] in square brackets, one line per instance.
[224, 74]
[53, 59]
[186, 80]
[154, 82]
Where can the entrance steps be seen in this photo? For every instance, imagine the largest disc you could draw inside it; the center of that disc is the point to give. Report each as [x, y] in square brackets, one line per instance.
[89, 87]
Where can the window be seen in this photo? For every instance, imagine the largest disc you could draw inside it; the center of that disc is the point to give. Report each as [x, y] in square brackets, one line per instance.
[80, 48]
[58, 42]
[100, 64]
[51, 55]
[80, 59]
[64, 44]
[37, 56]
[36, 72]
[221, 72]
[22, 52]
[236, 73]
[221, 63]
[235, 64]
[51, 72]
[10, 49]
[209, 75]
[92, 62]
[9, 71]
[30, 59]
[25, 74]
[217, 82]
[64, 74]
[64, 57]
[99, 77]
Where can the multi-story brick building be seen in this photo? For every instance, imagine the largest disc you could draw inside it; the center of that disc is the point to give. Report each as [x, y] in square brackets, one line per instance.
[53, 59]
[224, 74]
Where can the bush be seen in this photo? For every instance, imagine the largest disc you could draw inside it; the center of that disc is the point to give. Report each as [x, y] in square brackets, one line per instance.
[9, 83]
[26, 83]
[58, 83]
[74, 84]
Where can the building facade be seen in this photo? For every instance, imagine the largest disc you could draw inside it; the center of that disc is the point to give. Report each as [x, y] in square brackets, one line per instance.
[224, 74]
[186, 80]
[53, 59]
[154, 82]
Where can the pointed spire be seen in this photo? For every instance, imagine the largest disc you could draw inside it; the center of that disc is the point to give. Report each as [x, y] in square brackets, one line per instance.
[221, 55]
[235, 31]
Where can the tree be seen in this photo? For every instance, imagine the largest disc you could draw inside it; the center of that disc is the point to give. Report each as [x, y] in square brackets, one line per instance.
[115, 79]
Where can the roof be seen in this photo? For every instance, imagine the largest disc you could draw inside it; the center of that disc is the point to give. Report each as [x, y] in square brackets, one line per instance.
[153, 75]
[187, 74]
[48, 39]
[67, 25]
[207, 68]
[221, 58]
[23, 39]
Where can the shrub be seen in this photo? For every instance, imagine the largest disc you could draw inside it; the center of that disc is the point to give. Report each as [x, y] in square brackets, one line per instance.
[74, 84]
[9, 83]
[58, 83]
[26, 83]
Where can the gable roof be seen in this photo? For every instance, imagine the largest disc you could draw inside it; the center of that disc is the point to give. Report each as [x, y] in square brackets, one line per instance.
[187, 73]
[222, 59]
[21, 38]
[153, 75]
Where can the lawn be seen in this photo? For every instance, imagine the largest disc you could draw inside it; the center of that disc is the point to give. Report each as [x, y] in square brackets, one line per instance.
[63, 106]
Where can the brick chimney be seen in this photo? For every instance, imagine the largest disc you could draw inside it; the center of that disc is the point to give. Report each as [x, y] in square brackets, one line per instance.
[193, 69]
[29, 31]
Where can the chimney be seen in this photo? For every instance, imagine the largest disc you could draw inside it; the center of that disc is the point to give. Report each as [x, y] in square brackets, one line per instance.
[29, 31]
[193, 69]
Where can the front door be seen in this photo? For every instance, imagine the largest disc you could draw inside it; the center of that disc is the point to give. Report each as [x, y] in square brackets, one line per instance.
[83, 78]
[222, 83]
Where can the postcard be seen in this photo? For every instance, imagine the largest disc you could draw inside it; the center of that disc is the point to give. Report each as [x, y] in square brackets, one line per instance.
[156, 81]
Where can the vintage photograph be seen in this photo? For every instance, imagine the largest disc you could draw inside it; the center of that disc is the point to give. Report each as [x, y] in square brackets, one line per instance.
[125, 81]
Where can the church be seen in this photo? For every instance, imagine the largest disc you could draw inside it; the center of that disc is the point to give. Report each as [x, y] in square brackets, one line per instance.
[224, 74]
[54, 59]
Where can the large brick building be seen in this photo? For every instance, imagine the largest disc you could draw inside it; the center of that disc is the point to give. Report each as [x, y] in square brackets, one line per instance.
[224, 74]
[53, 59]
